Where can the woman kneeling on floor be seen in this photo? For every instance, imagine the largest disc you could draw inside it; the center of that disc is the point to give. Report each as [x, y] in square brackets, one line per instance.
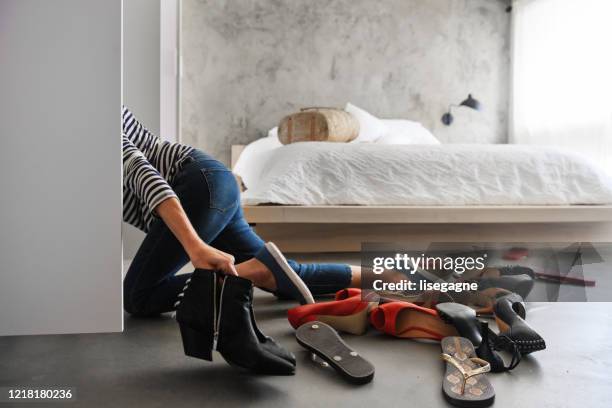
[188, 204]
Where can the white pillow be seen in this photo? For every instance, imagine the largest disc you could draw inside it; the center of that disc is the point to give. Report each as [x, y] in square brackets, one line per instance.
[402, 131]
[370, 127]
[254, 157]
[273, 132]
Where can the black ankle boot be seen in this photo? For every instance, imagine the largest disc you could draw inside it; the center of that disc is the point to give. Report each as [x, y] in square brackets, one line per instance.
[236, 336]
[269, 344]
[196, 314]
[199, 314]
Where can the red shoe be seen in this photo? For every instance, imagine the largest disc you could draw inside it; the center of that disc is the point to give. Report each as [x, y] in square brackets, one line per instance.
[516, 254]
[348, 315]
[347, 293]
[407, 320]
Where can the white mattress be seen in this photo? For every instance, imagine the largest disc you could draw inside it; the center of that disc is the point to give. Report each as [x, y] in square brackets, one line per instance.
[373, 174]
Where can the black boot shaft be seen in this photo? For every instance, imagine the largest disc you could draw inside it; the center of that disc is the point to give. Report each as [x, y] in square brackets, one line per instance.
[237, 338]
[234, 326]
[196, 312]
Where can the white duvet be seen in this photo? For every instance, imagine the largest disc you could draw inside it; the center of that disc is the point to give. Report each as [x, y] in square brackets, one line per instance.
[375, 174]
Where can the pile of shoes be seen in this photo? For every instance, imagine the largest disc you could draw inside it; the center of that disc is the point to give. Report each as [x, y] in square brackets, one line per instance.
[215, 312]
[470, 347]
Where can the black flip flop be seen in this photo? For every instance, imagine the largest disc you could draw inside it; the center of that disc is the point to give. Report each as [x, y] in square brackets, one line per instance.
[465, 384]
[322, 340]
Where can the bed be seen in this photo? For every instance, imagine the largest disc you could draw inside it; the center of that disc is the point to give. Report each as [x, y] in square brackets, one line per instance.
[328, 197]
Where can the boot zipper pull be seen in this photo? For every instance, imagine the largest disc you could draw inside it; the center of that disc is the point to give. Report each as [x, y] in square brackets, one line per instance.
[218, 317]
[215, 338]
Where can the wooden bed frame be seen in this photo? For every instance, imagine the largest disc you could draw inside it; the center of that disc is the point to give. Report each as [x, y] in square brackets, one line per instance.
[344, 228]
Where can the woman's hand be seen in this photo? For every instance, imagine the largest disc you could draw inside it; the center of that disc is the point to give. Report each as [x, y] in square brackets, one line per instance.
[204, 256]
[201, 255]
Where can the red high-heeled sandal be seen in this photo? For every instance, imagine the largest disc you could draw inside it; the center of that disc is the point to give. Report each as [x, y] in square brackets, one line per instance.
[407, 320]
[347, 293]
[348, 314]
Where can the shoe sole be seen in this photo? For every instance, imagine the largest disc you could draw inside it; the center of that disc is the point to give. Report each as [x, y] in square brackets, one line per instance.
[524, 346]
[293, 277]
[322, 340]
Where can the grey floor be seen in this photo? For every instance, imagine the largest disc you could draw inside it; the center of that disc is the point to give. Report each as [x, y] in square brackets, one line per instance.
[145, 366]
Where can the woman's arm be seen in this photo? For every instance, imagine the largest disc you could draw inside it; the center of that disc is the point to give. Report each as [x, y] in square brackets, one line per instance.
[201, 255]
[150, 187]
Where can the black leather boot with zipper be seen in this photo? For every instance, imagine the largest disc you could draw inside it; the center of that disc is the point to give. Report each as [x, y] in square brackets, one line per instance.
[236, 337]
[214, 316]
[196, 311]
[269, 344]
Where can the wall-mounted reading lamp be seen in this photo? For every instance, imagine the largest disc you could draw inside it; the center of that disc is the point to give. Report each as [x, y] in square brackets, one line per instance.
[470, 102]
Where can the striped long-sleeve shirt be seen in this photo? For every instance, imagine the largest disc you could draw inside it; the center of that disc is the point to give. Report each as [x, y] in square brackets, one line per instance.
[149, 167]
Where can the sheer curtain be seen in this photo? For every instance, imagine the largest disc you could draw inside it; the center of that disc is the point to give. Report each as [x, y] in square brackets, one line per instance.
[562, 76]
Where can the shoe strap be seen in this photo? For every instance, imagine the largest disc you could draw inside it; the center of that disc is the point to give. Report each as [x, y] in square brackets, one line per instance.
[485, 367]
[505, 343]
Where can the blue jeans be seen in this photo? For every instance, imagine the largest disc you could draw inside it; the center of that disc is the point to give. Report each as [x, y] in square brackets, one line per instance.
[210, 197]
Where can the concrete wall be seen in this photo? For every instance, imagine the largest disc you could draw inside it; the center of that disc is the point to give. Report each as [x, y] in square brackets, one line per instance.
[247, 63]
[60, 166]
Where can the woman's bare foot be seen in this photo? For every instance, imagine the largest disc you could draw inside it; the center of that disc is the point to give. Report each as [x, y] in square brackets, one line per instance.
[355, 276]
[257, 273]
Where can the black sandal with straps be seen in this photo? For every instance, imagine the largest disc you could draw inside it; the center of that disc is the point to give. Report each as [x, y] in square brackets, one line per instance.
[491, 343]
[509, 315]
[486, 342]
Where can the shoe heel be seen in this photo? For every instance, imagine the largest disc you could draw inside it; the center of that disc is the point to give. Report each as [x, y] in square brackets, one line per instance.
[508, 309]
[356, 323]
[517, 304]
[195, 343]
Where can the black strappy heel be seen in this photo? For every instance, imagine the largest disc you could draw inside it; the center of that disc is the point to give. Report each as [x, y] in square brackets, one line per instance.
[485, 341]
[509, 315]
[463, 318]
[491, 343]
